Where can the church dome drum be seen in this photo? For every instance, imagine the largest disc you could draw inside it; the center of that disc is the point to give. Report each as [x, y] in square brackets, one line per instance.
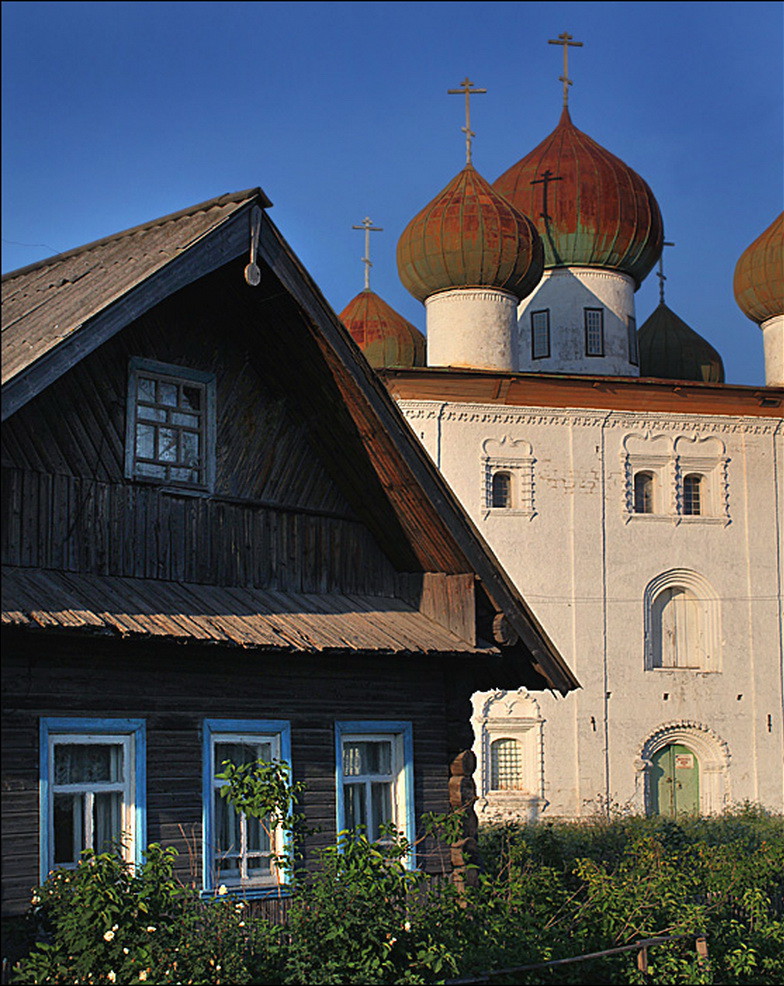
[591, 209]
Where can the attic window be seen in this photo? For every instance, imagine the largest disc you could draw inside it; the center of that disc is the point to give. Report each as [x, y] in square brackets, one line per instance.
[170, 434]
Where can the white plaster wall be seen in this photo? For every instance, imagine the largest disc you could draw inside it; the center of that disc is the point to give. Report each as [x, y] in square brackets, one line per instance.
[582, 562]
[566, 292]
[773, 341]
[474, 327]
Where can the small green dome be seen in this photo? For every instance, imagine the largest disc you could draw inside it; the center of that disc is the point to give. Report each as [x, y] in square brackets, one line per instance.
[671, 350]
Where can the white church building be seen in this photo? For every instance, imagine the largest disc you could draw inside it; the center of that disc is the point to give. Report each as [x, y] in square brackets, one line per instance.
[634, 497]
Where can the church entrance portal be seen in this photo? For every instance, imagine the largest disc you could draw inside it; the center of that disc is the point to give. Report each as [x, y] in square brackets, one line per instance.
[675, 781]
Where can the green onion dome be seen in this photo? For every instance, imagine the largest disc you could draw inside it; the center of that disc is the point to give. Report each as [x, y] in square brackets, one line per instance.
[384, 336]
[671, 350]
[759, 275]
[469, 236]
[599, 212]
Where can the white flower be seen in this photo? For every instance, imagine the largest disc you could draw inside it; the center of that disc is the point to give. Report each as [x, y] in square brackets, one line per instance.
[36, 899]
[240, 906]
[142, 975]
[111, 974]
[407, 926]
[107, 936]
[151, 928]
[222, 890]
[125, 951]
[241, 924]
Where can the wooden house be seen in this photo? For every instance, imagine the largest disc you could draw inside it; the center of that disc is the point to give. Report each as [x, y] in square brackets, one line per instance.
[221, 539]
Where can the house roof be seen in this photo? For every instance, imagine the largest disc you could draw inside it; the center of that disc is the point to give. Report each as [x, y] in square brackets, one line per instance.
[57, 312]
[244, 617]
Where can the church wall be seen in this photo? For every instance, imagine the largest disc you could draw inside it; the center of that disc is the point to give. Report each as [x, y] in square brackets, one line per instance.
[583, 560]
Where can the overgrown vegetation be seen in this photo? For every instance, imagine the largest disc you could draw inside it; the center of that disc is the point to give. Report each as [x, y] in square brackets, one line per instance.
[548, 891]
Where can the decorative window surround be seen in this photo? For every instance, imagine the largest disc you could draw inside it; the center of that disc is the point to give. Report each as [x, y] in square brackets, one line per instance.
[274, 733]
[703, 593]
[712, 753]
[516, 459]
[170, 425]
[126, 737]
[509, 715]
[397, 775]
[670, 461]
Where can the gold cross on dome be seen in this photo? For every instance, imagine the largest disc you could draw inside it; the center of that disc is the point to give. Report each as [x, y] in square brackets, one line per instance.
[566, 40]
[661, 275]
[367, 225]
[465, 87]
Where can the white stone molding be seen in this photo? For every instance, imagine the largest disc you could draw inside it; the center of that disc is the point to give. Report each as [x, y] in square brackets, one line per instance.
[713, 756]
[516, 458]
[698, 585]
[503, 714]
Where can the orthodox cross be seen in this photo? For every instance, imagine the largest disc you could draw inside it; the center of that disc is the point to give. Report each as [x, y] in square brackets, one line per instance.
[567, 42]
[660, 275]
[547, 177]
[367, 225]
[465, 87]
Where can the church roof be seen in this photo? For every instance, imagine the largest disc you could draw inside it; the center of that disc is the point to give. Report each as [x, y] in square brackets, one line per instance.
[759, 275]
[671, 350]
[591, 209]
[383, 335]
[469, 236]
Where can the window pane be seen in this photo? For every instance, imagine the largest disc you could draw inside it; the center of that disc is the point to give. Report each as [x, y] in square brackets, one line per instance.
[145, 441]
[150, 469]
[186, 420]
[540, 334]
[76, 763]
[191, 398]
[354, 804]
[643, 493]
[239, 753]
[594, 332]
[167, 445]
[68, 821]
[167, 393]
[258, 840]
[691, 495]
[367, 757]
[227, 827]
[381, 807]
[151, 413]
[107, 820]
[505, 765]
[502, 489]
[183, 475]
[145, 389]
[189, 448]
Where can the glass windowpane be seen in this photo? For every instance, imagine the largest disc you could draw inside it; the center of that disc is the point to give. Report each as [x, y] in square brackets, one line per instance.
[189, 448]
[381, 807]
[68, 812]
[186, 420]
[191, 398]
[145, 389]
[76, 763]
[505, 765]
[167, 445]
[151, 413]
[145, 441]
[107, 820]
[367, 757]
[167, 393]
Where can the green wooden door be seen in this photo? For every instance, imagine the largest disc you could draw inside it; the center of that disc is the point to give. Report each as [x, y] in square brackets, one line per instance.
[675, 781]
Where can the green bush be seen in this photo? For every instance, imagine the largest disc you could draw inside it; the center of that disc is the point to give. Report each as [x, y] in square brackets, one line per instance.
[548, 891]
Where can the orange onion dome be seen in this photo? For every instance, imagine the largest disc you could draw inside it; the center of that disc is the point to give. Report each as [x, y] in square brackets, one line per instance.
[469, 236]
[600, 213]
[384, 336]
[759, 275]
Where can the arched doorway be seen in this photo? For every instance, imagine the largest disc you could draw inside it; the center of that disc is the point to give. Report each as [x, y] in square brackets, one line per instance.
[674, 781]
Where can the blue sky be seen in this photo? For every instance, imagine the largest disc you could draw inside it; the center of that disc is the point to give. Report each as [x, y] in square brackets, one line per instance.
[117, 113]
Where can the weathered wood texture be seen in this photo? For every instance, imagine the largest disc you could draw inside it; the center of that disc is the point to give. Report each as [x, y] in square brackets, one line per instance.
[173, 689]
[277, 519]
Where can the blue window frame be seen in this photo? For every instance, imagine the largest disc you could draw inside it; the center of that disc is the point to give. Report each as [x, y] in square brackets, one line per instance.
[240, 853]
[92, 789]
[375, 778]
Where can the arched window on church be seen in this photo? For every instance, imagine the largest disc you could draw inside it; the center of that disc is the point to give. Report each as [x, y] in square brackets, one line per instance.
[502, 489]
[506, 765]
[692, 499]
[643, 492]
[679, 629]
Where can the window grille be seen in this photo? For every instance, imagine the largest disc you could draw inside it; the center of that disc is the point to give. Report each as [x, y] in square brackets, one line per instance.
[692, 500]
[594, 331]
[643, 493]
[540, 334]
[506, 765]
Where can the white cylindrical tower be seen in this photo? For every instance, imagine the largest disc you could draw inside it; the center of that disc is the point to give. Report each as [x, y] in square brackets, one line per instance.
[474, 327]
[579, 320]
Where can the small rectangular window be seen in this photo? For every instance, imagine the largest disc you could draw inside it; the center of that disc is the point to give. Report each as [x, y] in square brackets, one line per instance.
[92, 789]
[170, 433]
[594, 331]
[634, 349]
[375, 778]
[540, 334]
[241, 852]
